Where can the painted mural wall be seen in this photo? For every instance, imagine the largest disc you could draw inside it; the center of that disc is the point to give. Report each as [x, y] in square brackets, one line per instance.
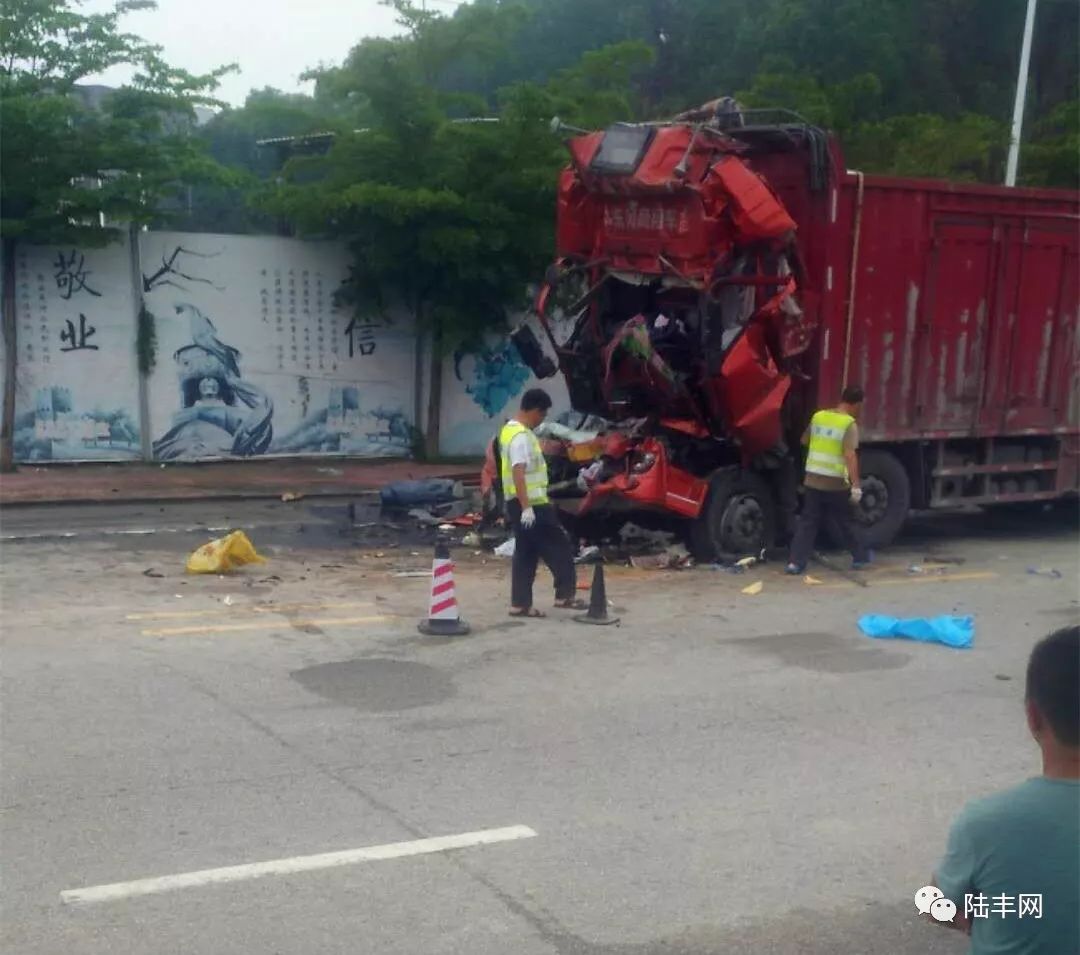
[481, 390]
[77, 379]
[255, 358]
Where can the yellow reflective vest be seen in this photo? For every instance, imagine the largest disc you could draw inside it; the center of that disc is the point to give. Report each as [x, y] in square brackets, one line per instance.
[826, 453]
[536, 473]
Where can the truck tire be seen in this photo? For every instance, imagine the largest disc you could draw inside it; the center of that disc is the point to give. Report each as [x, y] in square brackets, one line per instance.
[886, 496]
[738, 519]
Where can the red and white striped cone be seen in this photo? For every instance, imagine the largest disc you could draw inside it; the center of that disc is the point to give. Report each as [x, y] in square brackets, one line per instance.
[443, 618]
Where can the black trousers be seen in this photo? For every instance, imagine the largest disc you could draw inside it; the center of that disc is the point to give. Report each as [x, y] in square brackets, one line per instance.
[835, 509]
[547, 541]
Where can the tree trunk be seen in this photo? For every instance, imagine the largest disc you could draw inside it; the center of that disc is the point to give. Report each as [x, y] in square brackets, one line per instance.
[434, 406]
[11, 345]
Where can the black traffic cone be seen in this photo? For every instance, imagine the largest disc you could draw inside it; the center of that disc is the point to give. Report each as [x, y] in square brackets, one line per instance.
[444, 619]
[597, 613]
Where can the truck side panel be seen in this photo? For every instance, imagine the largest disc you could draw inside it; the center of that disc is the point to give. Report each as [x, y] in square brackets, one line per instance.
[965, 310]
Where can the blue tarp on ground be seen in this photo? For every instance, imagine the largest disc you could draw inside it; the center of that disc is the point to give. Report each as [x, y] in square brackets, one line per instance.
[958, 632]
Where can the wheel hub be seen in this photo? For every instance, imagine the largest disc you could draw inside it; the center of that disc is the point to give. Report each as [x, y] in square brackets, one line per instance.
[742, 528]
[875, 500]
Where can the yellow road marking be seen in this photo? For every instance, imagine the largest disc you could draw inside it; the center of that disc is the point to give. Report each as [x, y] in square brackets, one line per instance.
[238, 608]
[937, 579]
[261, 625]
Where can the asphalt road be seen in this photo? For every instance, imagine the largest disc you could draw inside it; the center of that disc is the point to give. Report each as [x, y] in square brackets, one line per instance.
[721, 773]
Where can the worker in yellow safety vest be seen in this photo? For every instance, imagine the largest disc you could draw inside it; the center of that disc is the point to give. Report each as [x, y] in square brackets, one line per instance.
[831, 487]
[538, 535]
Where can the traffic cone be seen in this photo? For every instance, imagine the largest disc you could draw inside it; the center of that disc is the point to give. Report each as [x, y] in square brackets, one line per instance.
[597, 613]
[443, 619]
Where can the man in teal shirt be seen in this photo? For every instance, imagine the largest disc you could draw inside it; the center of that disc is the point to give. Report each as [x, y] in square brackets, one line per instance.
[1012, 864]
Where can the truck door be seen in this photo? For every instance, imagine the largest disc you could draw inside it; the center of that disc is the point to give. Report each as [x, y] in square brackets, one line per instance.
[955, 319]
[1039, 310]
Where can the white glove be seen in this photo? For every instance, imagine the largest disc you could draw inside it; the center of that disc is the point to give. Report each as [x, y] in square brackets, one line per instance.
[528, 517]
[856, 495]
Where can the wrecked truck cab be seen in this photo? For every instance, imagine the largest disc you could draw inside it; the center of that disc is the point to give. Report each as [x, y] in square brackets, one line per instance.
[672, 311]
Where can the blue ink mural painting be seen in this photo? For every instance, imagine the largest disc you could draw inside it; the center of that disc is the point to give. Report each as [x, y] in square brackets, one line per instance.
[221, 413]
[498, 375]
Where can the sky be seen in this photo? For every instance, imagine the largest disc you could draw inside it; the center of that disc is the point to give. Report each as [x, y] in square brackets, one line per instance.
[272, 41]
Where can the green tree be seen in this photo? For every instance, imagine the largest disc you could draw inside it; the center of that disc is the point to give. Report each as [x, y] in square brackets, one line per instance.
[63, 162]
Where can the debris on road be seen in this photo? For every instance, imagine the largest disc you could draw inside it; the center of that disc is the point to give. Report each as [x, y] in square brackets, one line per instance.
[505, 549]
[846, 574]
[1051, 572]
[957, 632]
[754, 589]
[810, 580]
[290, 496]
[150, 572]
[675, 557]
[587, 554]
[224, 554]
[425, 517]
[416, 493]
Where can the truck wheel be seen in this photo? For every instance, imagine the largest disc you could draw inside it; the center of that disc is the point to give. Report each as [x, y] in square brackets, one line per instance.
[738, 519]
[886, 497]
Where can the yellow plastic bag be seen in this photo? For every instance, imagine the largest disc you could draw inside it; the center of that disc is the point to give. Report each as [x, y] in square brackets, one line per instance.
[223, 554]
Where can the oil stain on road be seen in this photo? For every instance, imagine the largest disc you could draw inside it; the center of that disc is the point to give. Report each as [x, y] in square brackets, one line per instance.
[377, 685]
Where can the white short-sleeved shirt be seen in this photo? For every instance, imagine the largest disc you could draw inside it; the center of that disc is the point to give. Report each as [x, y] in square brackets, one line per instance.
[520, 449]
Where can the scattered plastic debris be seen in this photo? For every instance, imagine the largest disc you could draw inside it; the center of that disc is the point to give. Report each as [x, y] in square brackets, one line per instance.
[425, 517]
[227, 600]
[587, 554]
[746, 562]
[923, 569]
[472, 539]
[675, 557]
[1051, 572]
[754, 589]
[505, 549]
[290, 496]
[224, 554]
[957, 632]
[810, 580]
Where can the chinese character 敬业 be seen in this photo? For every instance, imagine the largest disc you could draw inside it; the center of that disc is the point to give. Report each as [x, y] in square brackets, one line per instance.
[1031, 905]
[976, 906]
[76, 338]
[71, 275]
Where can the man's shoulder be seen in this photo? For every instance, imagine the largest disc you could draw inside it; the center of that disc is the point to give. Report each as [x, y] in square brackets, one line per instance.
[1018, 801]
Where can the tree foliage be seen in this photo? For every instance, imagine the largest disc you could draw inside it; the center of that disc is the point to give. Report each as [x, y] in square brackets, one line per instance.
[64, 159]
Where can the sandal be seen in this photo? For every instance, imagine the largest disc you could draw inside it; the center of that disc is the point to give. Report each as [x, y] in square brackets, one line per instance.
[528, 612]
[574, 603]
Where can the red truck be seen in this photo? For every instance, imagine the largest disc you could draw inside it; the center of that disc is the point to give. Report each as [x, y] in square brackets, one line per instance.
[721, 275]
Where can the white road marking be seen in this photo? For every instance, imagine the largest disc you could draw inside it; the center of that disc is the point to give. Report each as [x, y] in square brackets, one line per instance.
[257, 870]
